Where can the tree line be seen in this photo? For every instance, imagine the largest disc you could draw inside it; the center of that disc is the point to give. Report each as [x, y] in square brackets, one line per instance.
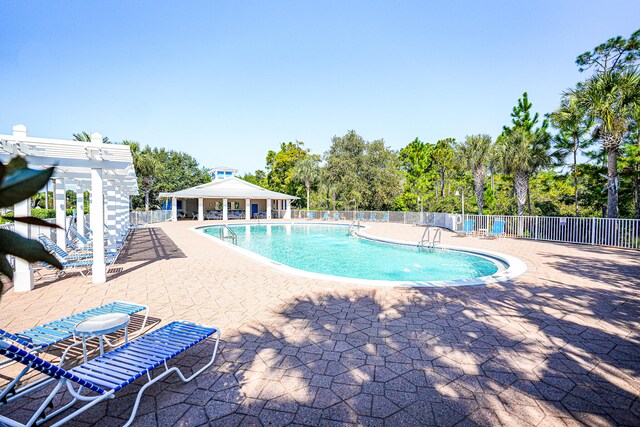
[582, 159]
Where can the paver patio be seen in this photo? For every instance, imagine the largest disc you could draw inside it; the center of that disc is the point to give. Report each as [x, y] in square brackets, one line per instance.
[559, 345]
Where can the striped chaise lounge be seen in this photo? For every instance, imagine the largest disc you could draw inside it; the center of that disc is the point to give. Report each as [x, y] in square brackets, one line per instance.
[105, 375]
[41, 337]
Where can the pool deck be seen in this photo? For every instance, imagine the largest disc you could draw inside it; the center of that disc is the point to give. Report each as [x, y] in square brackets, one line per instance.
[559, 345]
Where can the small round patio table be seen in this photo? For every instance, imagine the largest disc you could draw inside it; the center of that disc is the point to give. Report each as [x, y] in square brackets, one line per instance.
[99, 326]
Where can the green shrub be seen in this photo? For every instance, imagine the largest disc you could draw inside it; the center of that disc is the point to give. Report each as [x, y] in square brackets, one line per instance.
[6, 215]
[43, 213]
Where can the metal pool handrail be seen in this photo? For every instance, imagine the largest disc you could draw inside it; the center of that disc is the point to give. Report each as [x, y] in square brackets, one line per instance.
[232, 234]
[424, 242]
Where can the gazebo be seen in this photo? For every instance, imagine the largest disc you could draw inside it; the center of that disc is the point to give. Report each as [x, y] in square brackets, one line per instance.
[229, 193]
[105, 170]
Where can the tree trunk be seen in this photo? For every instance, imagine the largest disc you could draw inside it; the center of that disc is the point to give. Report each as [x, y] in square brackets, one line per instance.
[146, 200]
[520, 184]
[575, 175]
[307, 184]
[636, 188]
[442, 181]
[528, 197]
[612, 184]
[478, 181]
[636, 194]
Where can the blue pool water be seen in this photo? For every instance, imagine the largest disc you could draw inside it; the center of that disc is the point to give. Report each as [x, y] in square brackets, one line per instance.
[327, 249]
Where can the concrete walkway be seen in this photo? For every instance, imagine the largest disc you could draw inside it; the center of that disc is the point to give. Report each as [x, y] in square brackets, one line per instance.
[560, 345]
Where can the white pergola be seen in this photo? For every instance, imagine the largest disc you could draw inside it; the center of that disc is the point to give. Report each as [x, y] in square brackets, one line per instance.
[105, 170]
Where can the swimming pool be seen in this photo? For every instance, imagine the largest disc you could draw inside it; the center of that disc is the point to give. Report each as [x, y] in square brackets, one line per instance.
[326, 249]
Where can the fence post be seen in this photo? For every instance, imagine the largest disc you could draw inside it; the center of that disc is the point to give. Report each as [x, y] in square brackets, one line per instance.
[536, 229]
[593, 231]
[404, 217]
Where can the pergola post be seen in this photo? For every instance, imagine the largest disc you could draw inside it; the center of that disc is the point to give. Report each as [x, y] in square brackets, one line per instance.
[200, 209]
[287, 213]
[23, 274]
[125, 210]
[60, 197]
[110, 214]
[118, 208]
[268, 208]
[96, 218]
[174, 209]
[80, 211]
[225, 211]
[247, 208]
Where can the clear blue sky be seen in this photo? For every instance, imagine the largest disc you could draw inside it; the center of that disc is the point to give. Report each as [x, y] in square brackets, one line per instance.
[227, 81]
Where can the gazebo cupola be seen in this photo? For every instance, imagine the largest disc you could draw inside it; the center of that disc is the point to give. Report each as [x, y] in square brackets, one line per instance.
[222, 172]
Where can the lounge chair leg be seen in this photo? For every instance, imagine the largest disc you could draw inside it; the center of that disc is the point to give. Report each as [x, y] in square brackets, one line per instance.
[36, 416]
[168, 372]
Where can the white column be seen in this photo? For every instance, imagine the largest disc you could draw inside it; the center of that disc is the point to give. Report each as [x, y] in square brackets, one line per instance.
[80, 212]
[247, 208]
[110, 215]
[118, 209]
[268, 208]
[96, 218]
[287, 213]
[124, 210]
[174, 209]
[200, 209]
[225, 211]
[60, 198]
[23, 275]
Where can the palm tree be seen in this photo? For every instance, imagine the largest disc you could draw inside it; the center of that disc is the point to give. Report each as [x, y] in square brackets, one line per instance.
[521, 153]
[609, 99]
[147, 167]
[85, 137]
[307, 170]
[573, 124]
[476, 152]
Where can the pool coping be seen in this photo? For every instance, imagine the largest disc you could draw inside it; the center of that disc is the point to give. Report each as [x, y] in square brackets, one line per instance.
[514, 266]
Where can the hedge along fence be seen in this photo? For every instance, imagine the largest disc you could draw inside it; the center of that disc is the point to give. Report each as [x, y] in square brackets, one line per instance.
[40, 213]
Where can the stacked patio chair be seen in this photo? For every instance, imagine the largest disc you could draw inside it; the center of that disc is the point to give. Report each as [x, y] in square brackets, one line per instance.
[497, 231]
[79, 261]
[467, 228]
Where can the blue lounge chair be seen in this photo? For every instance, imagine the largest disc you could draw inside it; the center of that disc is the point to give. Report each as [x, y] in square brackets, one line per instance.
[41, 337]
[87, 244]
[372, 217]
[497, 230]
[336, 216]
[385, 218]
[52, 246]
[310, 215]
[467, 228]
[325, 217]
[105, 375]
[361, 217]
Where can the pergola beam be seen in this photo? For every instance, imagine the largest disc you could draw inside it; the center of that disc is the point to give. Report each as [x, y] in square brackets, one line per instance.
[80, 166]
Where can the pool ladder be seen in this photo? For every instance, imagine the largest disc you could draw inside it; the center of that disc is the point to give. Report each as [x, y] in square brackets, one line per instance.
[426, 242]
[355, 224]
[231, 235]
